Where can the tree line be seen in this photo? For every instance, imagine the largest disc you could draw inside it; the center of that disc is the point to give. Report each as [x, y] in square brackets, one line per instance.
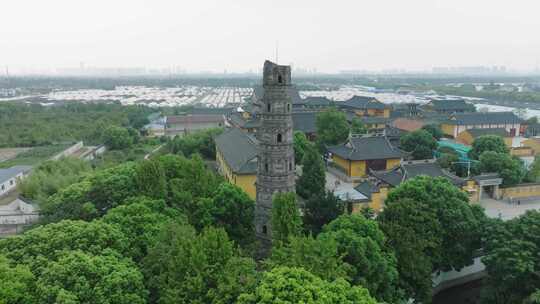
[30, 125]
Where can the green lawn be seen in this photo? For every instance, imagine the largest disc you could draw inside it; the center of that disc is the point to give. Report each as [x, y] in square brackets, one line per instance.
[136, 152]
[34, 156]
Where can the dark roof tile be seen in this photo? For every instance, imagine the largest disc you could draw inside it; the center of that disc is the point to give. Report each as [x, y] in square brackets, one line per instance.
[367, 148]
[484, 118]
[239, 150]
[363, 102]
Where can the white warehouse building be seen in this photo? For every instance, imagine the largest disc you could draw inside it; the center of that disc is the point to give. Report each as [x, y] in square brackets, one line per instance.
[9, 178]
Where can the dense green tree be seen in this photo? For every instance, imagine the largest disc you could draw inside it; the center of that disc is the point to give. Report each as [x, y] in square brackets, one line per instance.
[69, 203]
[188, 178]
[413, 231]
[286, 221]
[462, 224]
[319, 210]
[79, 277]
[319, 256]
[296, 285]
[447, 160]
[196, 143]
[534, 298]
[25, 125]
[357, 126]
[485, 143]
[512, 260]
[233, 210]
[186, 267]
[141, 220]
[434, 130]
[332, 128]
[362, 245]
[117, 138]
[93, 196]
[312, 183]
[110, 187]
[419, 143]
[17, 283]
[47, 242]
[150, 179]
[509, 168]
[533, 175]
[51, 176]
[368, 212]
[300, 143]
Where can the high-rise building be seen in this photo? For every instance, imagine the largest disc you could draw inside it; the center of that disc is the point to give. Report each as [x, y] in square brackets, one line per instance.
[276, 167]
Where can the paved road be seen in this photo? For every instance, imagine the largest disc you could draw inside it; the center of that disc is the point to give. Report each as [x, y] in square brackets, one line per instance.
[505, 210]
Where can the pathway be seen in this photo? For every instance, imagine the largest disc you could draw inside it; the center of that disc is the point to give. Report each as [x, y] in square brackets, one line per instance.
[153, 151]
[506, 211]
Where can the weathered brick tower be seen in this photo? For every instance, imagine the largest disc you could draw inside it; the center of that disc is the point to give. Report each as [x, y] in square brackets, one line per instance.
[275, 171]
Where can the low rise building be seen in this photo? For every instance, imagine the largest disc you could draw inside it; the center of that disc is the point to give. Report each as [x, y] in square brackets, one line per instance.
[379, 183]
[449, 106]
[408, 124]
[236, 156]
[10, 177]
[458, 123]
[317, 103]
[17, 215]
[366, 106]
[244, 121]
[305, 122]
[467, 137]
[361, 154]
[186, 124]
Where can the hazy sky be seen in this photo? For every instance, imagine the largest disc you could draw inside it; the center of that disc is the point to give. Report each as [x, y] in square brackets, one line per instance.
[237, 35]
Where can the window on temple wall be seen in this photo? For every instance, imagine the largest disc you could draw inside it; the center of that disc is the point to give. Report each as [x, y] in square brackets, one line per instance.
[266, 167]
[269, 107]
[264, 229]
[279, 79]
[290, 165]
[279, 138]
[288, 107]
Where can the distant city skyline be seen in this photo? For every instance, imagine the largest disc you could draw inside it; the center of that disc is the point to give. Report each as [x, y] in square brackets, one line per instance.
[236, 36]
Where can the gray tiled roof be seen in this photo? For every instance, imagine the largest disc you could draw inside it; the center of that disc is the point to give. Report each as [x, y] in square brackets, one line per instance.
[367, 148]
[391, 177]
[406, 171]
[9, 173]
[305, 121]
[211, 111]
[238, 120]
[451, 105]
[367, 188]
[486, 176]
[374, 120]
[481, 132]
[484, 118]
[239, 149]
[363, 102]
[295, 96]
[318, 101]
[195, 118]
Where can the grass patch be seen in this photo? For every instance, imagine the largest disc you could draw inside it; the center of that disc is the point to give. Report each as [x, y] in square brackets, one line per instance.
[35, 155]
